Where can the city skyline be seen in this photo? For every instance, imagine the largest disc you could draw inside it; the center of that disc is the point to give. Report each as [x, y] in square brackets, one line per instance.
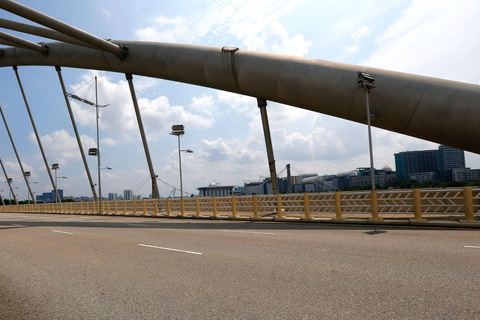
[224, 129]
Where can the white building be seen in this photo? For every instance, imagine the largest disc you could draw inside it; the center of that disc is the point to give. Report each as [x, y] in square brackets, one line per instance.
[466, 174]
[214, 189]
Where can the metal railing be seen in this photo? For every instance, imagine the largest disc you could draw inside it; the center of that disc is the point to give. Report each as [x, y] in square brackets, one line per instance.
[462, 204]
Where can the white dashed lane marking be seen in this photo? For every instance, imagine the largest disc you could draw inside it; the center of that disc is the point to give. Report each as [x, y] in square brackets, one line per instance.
[169, 249]
[62, 232]
[474, 247]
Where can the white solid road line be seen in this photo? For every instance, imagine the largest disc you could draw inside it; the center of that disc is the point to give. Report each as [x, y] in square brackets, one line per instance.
[253, 232]
[476, 247]
[169, 249]
[62, 232]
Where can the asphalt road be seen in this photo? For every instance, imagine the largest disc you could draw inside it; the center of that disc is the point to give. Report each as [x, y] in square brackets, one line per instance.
[100, 267]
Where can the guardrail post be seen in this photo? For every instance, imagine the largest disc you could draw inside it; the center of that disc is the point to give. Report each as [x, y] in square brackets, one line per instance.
[134, 209]
[124, 207]
[107, 203]
[168, 207]
[197, 206]
[144, 207]
[234, 207]
[279, 206]
[338, 205]
[417, 204]
[214, 203]
[374, 199]
[306, 205]
[182, 206]
[255, 206]
[468, 199]
[155, 206]
[116, 207]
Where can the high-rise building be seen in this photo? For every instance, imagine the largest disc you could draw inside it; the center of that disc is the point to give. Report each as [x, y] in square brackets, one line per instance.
[127, 195]
[409, 162]
[450, 158]
[112, 197]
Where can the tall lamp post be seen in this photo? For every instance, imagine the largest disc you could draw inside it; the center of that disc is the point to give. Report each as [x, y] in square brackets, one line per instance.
[27, 176]
[179, 130]
[56, 167]
[367, 82]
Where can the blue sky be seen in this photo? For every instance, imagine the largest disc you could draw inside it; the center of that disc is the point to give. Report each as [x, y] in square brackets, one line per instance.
[433, 38]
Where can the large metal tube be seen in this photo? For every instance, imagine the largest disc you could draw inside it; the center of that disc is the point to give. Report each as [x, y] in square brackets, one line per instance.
[62, 27]
[262, 105]
[8, 182]
[77, 135]
[37, 136]
[22, 42]
[155, 192]
[41, 32]
[16, 152]
[442, 111]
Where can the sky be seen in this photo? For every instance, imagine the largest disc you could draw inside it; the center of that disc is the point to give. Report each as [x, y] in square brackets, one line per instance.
[432, 38]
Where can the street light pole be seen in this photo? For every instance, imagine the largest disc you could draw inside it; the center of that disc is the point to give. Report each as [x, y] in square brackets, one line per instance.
[98, 149]
[179, 130]
[56, 167]
[367, 82]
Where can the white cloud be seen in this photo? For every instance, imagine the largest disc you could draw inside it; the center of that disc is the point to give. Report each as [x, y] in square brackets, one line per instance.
[205, 105]
[254, 23]
[428, 38]
[119, 117]
[356, 36]
[62, 147]
[360, 33]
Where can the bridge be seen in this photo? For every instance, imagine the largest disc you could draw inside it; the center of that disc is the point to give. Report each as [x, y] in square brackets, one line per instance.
[341, 255]
[422, 107]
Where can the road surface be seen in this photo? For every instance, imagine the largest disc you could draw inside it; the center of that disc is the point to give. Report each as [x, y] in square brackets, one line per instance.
[105, 267]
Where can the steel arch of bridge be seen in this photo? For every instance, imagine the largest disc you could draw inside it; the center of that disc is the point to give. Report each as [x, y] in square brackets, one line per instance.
[437, 110]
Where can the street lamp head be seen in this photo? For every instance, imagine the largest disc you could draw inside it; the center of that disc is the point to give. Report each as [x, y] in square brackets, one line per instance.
[55, 166]
[27, 174]
[189, 151]
[10, 180]
[93, 152]
[178, 130]
[365, 80]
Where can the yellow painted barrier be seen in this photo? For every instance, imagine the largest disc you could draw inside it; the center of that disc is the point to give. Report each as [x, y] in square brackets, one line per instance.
[214, 203]
[155, 207]
[197, 206]
[306, 205]
[144, 207]
[417, 204]
[116, 207]
[234, 207]
[374, 199]
[182, 206]
[168, 207]
[255, 206]
[279, 206]
[468, 200]
[338, 205]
